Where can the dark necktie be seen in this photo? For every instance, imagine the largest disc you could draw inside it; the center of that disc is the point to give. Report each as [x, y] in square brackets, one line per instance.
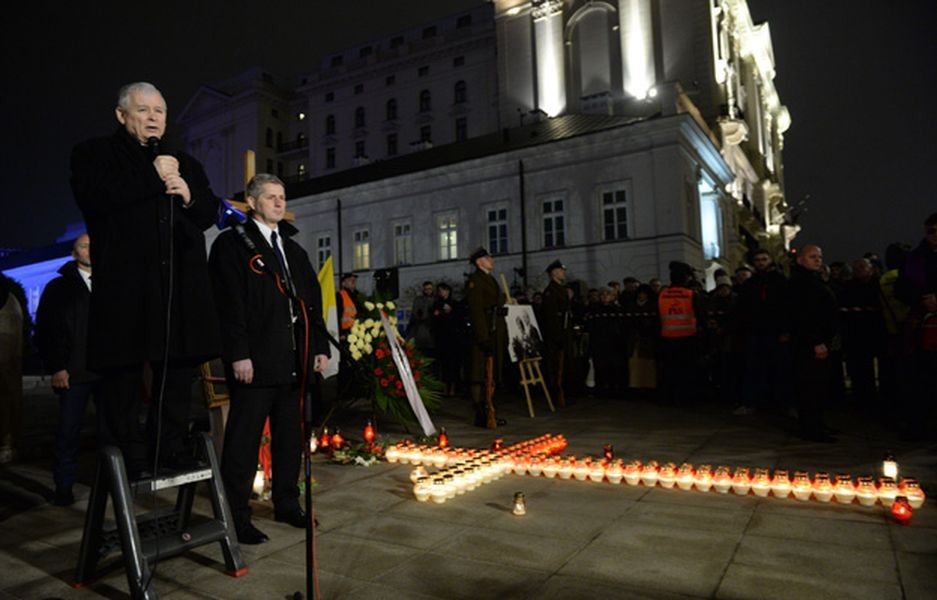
[280, 259]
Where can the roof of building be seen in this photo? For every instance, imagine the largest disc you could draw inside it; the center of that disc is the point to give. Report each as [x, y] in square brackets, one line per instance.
[542, 132]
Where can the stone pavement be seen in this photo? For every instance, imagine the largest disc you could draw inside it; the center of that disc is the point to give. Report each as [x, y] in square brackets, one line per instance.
[577, 540]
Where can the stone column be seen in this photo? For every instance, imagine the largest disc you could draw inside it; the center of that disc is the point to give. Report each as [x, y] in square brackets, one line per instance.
[551, 60]
[635, 27]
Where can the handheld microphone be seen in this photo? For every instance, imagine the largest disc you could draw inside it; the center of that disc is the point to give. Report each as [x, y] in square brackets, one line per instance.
[153, 144]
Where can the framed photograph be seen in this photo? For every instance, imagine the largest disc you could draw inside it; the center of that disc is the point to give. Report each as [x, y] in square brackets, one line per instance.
[524, 339]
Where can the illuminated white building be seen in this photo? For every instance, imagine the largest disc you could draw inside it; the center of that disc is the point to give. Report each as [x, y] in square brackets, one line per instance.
[615, 134]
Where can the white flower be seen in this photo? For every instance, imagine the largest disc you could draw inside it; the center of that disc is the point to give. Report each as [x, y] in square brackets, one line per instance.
[391, 305]
[369, 323]
[355, 354]
[380, 305]
[360, 343]
[367, 338]
[367, 348]
[375, 332]
[369, 305]
[352, 339]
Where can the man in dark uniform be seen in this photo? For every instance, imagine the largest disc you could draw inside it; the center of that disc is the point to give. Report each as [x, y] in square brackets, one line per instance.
[489, 331]
[266, 351]
[557, 330]
[146, 209]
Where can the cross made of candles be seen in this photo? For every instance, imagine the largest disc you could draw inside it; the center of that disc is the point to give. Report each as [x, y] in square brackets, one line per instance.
[461, 470]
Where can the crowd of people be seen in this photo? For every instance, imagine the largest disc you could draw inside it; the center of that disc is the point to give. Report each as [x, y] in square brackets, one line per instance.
[789, 338]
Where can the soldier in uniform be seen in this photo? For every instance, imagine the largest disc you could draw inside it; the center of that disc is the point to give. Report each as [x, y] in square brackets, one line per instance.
[489, 332]
[557, 329]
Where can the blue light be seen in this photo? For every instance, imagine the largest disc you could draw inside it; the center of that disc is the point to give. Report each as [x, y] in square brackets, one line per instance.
[34, 278]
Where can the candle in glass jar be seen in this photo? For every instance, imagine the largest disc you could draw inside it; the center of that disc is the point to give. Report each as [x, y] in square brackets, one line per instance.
[439, 493]
[550, 469]
[822, 487]
[421, 489]
[649, 474]
[686, 476]
[259, 482]
[566, 468]
[801, 486]
[741, 481]
[416, 473]
[866, 492]
[911, 489]
[704, 478]
[520, 504]
[844, 490]
[536, 467]
[781, 484]
[667, 475]
[597, 472]
[761, 483]
[722, 480]
[887, 491]
[581, 470]
[632, 473]
[392, 453]
[614, 472]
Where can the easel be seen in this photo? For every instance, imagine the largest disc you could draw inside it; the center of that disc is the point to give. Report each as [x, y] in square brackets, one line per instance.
[529, 367]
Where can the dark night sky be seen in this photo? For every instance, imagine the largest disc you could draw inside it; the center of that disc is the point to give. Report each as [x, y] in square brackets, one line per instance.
[856, 75]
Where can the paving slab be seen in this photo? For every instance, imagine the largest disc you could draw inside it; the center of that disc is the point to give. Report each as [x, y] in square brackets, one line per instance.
[511, 548]
[918, 575]
[744, 582]
[441, 576]
[564, 587]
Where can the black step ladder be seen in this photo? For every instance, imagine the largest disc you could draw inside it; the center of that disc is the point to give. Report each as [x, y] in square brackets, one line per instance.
[158, 535]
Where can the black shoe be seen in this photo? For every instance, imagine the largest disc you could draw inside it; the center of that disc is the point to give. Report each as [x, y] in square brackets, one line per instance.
[63, 497]
[296, 518]
[250, 535]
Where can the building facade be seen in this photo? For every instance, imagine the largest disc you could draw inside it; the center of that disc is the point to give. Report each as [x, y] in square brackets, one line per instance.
[615, 134]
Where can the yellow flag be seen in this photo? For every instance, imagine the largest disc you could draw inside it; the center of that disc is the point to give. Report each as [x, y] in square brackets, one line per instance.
[329, 312]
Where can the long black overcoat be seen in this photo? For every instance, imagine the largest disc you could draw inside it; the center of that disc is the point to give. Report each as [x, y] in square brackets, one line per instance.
[126, 211]
[256, 318]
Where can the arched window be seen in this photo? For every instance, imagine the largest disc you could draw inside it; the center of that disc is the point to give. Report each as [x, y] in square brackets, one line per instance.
[460, 93]
[359, 116]
[330, 125]
[426, 103]
[391, 109]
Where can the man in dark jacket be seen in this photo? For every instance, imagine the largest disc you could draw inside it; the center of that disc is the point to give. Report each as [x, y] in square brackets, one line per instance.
[557, 331]
[813, 318]
[489, 331]
[270, 303]
[146, 210]
[763, 321]
[863, 330]
[917, 287]
[62, 339]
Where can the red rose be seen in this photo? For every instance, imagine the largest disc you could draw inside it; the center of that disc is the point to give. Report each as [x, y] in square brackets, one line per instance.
[416, 374]
[378, 372]
[384, 383]
[379, 353]
[399, 385]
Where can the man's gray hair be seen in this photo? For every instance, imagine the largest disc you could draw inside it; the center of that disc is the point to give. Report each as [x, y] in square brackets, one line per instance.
[123, 95]
[256, 185]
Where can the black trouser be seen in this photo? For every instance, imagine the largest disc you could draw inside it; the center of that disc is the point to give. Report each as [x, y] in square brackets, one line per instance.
[121, 396]
[812, 386]
[250, 407]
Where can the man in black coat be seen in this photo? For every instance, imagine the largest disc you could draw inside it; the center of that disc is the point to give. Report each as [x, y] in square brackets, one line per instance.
[813, 318]
[146, 210]
[557, 330]
[62, 339]
[763, 321]
[270, 304]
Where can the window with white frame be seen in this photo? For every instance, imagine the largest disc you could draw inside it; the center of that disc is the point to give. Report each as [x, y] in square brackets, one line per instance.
[497, 223]
[323, 249]
[447, 226]
[403, 244]
[554, 223]
[710, 215]
[361, 249]
[614, 214]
